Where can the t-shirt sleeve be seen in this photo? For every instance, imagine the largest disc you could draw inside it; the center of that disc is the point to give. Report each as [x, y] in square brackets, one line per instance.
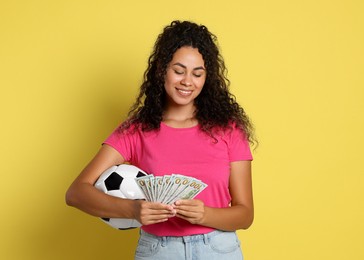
[122, 142]
[239, 149]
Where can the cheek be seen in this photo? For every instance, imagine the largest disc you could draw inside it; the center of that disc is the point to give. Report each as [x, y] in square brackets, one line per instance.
[168, 80]
[171, 79]
[200, 83]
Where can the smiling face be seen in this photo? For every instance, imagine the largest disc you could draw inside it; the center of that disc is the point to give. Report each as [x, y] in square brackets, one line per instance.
[185, 77]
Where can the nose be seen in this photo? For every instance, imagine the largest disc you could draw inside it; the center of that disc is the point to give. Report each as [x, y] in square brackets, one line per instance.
[187, 81]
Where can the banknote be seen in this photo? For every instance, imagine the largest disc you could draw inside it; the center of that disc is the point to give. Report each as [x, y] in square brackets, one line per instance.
[142, 183]
[180, 183]
[194, 188]
[168, 189]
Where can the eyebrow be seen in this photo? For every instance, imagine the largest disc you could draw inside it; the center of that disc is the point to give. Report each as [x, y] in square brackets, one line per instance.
[183, 66]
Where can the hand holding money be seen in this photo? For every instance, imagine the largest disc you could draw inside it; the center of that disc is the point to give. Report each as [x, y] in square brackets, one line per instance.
[169, 188]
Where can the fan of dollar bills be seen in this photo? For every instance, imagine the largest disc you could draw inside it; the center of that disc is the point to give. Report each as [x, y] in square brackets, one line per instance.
[169, 188]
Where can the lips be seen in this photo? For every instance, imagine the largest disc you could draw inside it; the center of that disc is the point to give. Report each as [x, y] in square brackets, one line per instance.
[184, 92]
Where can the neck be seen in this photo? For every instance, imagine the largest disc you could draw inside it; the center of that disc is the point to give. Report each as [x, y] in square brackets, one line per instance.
[180, 116]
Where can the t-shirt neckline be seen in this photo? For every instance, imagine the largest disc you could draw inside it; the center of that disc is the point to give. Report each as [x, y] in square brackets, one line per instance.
[179, 128]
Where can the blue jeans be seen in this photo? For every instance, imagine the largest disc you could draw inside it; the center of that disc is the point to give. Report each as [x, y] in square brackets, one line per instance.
[216, 245]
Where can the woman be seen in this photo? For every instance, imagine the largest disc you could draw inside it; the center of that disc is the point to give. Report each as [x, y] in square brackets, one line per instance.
[184, 121]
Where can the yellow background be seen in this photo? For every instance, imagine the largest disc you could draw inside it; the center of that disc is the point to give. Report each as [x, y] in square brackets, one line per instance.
[70, 69]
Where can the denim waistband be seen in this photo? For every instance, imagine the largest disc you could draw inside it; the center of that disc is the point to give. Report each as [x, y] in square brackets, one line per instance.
[185, 239]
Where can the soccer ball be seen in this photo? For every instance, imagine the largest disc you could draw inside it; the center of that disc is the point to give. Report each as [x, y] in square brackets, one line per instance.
[119, 181]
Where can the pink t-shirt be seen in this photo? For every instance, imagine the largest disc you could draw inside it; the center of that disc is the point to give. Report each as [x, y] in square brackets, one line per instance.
[190, 152]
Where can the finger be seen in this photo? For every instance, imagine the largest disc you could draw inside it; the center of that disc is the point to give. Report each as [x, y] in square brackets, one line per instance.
[153, 213]
[157, 207]
[184, 202]
[151, 219]
[183, 217]
[187, 213]
[161, 206]
[158, 213]
[187, 218]
[192, 208]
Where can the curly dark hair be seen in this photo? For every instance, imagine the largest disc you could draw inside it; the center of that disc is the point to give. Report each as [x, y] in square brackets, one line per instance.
[216, 107]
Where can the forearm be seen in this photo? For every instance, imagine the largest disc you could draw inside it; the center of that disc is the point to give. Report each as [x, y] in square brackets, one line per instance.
[94, 202]
[228, 219]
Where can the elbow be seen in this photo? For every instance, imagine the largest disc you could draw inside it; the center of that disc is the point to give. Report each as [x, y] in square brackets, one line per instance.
[68, 200]
[247, 218]
[70, 197]
[247, 225]
[248, 221]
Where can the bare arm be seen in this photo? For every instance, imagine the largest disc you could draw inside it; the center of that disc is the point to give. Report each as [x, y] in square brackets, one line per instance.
[241, 213]
[83, 195]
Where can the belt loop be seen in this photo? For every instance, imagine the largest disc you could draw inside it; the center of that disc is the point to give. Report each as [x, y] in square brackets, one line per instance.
[164, 241]
[206, 239]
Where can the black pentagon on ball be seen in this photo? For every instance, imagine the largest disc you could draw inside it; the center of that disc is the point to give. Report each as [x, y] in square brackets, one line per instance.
[140, 174]
[113, 181]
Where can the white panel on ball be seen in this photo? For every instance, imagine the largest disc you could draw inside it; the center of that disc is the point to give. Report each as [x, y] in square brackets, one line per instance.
[119, 181]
